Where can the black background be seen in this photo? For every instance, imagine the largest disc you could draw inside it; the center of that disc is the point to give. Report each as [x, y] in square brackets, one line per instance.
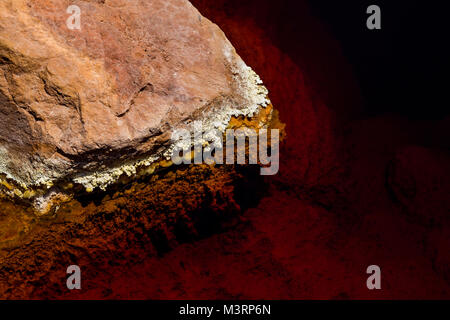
[400, 68]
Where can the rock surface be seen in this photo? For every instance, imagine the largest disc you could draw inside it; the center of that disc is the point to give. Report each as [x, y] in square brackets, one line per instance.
[88, 105]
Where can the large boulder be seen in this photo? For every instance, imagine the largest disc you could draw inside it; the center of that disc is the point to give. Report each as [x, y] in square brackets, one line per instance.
[88, 105]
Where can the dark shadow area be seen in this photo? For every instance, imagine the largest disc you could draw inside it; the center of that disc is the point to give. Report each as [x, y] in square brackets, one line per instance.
[400, 68]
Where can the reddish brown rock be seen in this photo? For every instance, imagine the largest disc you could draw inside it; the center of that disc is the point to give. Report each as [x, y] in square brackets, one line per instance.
[89, 105]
